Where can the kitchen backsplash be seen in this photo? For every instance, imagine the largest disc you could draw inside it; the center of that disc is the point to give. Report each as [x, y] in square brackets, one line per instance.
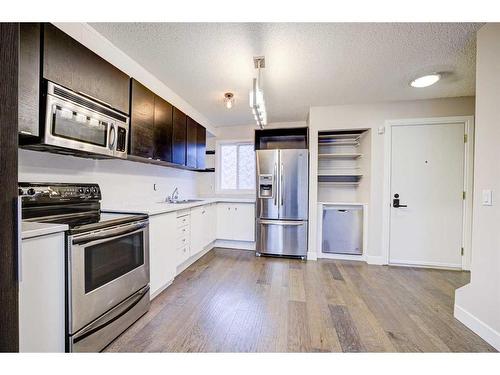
[120, 180]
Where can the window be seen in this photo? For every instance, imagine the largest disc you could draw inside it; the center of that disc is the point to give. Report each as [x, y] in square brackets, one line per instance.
[236, 166]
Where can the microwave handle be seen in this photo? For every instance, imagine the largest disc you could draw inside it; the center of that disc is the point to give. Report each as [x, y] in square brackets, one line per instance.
[112, 136]
[108, 233]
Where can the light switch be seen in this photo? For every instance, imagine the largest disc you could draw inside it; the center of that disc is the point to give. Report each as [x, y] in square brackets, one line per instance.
[487, 198]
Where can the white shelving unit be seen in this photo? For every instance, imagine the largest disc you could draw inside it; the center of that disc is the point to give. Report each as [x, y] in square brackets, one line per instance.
[344, 186]
[338, 158]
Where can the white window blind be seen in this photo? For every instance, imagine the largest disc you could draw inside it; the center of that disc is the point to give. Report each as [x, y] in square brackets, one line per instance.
[237, 166]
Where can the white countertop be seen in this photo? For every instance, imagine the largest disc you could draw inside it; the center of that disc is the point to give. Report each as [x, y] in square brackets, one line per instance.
[156, 208]
[31, 229]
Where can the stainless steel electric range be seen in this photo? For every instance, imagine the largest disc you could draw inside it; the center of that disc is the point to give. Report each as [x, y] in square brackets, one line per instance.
[107, 261]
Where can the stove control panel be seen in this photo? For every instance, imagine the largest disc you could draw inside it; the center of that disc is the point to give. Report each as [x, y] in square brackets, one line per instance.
[59, 192]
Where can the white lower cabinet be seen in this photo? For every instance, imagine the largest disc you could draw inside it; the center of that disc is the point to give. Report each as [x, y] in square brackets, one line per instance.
[162, 251]
[178, 236]
[203, 221]
[236, 221]
[183, 236]
[41, 294]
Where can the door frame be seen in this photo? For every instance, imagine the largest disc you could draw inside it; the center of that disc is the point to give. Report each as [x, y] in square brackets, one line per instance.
[468, 184]
[9, 202]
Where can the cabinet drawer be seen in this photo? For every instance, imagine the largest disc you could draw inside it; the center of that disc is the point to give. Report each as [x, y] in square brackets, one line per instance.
[182, 241]
[183, 231]
[182, 254]
[183, 221]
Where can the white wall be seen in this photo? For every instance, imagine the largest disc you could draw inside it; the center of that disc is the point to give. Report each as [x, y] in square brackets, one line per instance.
[371, 116]
[478, 304]
[121, 181]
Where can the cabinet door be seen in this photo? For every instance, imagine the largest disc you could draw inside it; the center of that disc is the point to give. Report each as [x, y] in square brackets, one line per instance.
[191, 142]
[224, 225]
[41, 294]
[72, 65]
[201, 146]
[162, 130]
[243, 218]
[29, 78]
[198, 229]
[179, 137]
[162, 251]
[236, 221]
[211, 223]
[142, 136]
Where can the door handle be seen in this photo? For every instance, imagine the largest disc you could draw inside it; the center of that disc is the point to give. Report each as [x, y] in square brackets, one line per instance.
[395, 202]
[282, 172]
[281, 222]
[275, 183]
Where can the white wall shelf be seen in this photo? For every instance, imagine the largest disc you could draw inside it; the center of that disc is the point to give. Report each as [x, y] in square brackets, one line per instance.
[341, 155]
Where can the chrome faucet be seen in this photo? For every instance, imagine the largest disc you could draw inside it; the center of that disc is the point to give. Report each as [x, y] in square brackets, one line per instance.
[174, 197]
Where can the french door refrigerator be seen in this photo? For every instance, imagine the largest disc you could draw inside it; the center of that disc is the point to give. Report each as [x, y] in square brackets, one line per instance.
[282, 202]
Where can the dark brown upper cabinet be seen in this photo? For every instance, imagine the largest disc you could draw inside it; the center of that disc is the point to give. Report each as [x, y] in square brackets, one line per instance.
[191, 143]
[179, 137]
[72, 65]
[142, 132]
[163, 130]
[201, 146]
[29, 79]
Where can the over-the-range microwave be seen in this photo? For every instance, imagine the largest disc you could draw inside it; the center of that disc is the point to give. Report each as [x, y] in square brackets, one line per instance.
[79, 125]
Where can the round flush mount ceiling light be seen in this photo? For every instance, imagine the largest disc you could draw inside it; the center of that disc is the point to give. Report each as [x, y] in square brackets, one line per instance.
[229, 100]
[425, 81]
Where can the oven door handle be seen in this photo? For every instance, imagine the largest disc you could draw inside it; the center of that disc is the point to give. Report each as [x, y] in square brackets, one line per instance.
[111, 316]
[105, 234]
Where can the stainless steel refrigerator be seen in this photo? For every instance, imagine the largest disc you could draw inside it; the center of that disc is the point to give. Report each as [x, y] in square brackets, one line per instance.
[282, 202]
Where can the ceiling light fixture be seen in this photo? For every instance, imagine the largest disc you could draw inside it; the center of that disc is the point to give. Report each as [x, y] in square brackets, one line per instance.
[229, 100]
[257, 102]
[425, 81]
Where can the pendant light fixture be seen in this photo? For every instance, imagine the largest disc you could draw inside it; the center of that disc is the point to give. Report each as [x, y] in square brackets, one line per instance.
[257, 102]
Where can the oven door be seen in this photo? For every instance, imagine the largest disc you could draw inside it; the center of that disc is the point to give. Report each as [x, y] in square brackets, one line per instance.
[105, 268]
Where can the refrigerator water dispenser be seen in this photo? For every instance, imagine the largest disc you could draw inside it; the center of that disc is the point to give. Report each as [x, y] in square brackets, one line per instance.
[266, 186]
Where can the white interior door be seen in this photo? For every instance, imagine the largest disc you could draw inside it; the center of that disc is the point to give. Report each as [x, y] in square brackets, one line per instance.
[427, 172]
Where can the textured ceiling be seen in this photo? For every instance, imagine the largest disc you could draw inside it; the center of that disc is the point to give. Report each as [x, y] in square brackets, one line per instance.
[307, 64]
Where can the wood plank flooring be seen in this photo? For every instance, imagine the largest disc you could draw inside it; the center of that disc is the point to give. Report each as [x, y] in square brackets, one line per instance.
[232, 301]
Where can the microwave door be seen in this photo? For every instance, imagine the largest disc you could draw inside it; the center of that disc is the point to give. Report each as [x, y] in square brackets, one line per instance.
[293, 184]
[267, 165]
[70, 126]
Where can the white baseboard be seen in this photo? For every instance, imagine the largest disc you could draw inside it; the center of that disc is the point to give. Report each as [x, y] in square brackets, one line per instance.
[312, 256]
[406, 263]
[239, 245]
[482, 329]
[358, 258]
[375, 259]
[193, 259]
[158, 291]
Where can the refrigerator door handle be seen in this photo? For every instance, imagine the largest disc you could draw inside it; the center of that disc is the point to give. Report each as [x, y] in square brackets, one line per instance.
[281, 222]
[282, 172]
[274, 186]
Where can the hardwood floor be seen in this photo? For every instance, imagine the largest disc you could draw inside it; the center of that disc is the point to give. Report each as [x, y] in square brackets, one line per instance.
[232, 301]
